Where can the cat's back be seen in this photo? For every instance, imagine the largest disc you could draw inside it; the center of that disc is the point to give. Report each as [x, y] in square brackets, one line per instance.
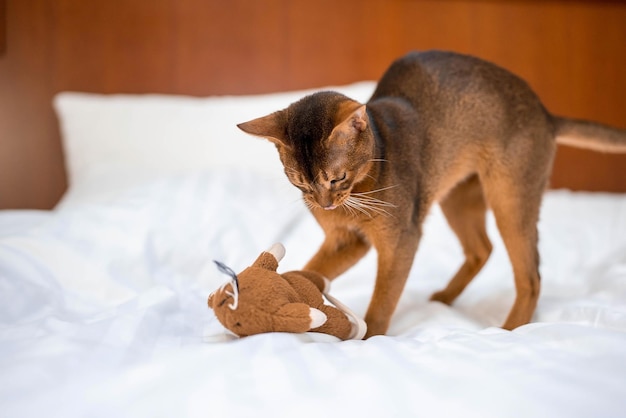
[436, 74]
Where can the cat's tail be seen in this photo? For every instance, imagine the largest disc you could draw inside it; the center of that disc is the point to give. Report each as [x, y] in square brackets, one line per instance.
[589, 135]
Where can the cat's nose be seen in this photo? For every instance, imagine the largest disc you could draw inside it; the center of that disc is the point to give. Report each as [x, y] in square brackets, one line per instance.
[325, 201]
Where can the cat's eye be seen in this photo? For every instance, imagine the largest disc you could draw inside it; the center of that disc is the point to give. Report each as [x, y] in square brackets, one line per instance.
[339, 179]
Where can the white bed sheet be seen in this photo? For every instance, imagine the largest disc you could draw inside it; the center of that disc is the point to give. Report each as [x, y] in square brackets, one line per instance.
[103, 313]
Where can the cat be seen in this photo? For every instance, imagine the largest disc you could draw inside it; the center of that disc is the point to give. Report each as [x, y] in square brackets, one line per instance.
[440, 127]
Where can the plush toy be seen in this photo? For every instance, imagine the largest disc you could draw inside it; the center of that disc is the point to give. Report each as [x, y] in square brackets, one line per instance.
[259, 300]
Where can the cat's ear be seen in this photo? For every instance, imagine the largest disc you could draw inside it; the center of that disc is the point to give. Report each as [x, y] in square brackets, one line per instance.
[359, 119]
[356, 122]
[272, 127]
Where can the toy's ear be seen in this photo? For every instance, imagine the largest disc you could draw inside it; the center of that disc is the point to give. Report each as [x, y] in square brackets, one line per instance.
[278, 251]
[269, 259]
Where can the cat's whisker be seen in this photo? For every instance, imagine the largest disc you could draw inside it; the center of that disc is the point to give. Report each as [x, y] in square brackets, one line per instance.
[309, 204]
[355, 205]
[370, 176]
[349, 209]
[374, 191]
[316, 177]
[379, 211]
[367, 210]
[369, 205]
[375, 202]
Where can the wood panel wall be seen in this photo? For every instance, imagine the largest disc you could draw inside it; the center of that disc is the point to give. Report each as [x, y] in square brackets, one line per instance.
[573, 53]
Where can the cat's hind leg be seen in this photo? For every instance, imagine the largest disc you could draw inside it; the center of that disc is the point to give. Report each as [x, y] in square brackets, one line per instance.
[464, 208]
[515, 202]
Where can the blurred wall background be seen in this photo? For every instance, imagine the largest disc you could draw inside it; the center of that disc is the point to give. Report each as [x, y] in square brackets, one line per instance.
[573, 53]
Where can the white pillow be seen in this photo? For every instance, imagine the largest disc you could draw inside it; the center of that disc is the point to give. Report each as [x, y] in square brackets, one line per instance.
[141, 135]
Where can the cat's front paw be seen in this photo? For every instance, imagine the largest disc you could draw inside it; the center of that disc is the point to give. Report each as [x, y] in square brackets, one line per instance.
[375, 328]
[443, 297]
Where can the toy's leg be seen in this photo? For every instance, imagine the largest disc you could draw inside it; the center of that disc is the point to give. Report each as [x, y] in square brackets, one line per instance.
[315, 278]
[340, 251]
[465, 209]
[336, 324]
[341, 321]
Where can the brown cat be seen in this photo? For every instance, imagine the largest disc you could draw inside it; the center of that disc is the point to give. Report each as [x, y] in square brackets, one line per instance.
[440, 127]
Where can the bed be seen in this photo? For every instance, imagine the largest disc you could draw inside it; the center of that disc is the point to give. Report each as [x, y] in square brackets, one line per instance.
[103, 299]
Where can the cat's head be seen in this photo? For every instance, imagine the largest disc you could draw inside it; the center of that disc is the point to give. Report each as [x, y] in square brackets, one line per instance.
[325, 144]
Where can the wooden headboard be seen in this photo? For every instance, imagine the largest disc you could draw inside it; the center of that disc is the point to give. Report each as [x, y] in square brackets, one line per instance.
[573, 53]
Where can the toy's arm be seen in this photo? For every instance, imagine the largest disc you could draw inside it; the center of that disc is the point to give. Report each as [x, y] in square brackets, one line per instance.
[297, 317]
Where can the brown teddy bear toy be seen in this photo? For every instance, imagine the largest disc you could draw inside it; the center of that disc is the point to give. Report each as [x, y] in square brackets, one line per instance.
[259, 300]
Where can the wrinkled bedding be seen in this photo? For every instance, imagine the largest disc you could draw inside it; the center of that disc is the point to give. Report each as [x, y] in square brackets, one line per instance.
[103, 312]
